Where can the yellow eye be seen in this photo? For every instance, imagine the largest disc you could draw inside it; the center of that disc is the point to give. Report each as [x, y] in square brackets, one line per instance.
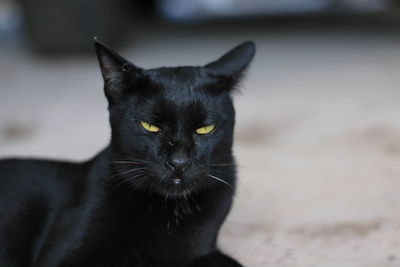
[149, 127]
[205, 129]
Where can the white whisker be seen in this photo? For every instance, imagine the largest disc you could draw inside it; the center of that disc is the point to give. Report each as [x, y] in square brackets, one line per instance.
[219, 179]
[125, 172]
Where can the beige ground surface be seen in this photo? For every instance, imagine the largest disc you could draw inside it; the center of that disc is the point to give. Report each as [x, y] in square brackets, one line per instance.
[318, 134]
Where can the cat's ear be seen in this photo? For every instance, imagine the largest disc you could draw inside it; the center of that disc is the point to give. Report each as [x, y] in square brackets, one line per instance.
[230, 67]
[118, 73]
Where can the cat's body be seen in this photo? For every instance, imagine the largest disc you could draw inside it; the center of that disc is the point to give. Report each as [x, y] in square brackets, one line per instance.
[160, 203]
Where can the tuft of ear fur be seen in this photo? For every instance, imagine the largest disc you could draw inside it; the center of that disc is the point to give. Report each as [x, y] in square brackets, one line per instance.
[117, 72]
[231, 66]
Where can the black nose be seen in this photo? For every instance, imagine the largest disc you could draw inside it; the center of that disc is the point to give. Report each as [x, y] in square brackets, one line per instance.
[178, 162]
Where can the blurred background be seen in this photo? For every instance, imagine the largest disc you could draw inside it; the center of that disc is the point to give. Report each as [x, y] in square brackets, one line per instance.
[318, 130]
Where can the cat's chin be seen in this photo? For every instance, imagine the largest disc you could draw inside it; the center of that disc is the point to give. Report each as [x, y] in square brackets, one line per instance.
[175, 190]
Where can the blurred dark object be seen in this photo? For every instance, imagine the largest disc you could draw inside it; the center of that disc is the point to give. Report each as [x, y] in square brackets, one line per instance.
[181, 10]
[10, 21]
[68, 26]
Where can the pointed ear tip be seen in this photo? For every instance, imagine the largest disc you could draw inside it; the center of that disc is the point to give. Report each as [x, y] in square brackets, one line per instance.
[96, 41]
[250, 46]
[249, 43]
[98, 44]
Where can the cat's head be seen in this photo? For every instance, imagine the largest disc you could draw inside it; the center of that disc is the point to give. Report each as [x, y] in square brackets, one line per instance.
[172, 128]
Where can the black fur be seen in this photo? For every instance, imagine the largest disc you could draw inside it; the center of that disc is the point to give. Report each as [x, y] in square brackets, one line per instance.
[148, 199]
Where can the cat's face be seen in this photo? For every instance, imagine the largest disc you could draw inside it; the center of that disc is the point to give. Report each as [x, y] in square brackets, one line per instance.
[172, 128]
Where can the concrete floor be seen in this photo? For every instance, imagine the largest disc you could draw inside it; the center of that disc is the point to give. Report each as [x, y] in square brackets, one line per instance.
[318, 133]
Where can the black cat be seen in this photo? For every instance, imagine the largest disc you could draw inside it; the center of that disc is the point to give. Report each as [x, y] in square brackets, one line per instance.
[156, 196]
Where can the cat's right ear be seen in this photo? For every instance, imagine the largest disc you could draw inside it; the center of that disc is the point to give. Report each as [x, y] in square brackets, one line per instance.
[230, 68]
[117, 72]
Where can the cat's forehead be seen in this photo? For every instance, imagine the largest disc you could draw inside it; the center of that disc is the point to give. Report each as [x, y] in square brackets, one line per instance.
[182, 95]
[187, 105]
[180, 80]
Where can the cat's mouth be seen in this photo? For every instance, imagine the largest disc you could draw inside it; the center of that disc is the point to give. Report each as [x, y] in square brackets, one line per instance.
[177, 180]
[176, 185]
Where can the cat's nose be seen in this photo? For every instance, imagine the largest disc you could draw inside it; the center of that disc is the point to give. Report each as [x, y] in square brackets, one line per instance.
[178, 162]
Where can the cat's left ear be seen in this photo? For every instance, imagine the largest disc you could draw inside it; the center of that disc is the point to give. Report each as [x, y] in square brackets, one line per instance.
[230, 67]
[118, 73]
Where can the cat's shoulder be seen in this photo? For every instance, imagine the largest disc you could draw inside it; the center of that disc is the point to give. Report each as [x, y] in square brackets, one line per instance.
[39, 171]
[16, 165]
[41, 183]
